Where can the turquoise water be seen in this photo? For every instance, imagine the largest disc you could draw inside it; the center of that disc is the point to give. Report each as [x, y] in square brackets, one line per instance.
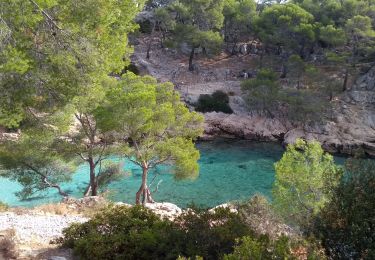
[229, 170]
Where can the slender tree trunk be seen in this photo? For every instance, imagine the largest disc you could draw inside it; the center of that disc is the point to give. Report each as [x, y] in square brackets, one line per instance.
[234, 48]
[144, 191]
[261, 59]
[284, 71]
[191, 67]
[93, 183]
[148, 50]
[61, 192]
[346, 78]
[149, 44]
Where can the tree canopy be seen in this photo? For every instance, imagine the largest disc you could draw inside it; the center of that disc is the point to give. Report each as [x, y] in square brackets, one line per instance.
[305, 179]
[158, 127]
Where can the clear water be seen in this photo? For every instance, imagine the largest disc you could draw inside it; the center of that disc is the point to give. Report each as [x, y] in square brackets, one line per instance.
[229, 170]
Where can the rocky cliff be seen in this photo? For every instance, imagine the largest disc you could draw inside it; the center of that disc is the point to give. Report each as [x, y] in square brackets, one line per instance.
[351, 128]
[351, 125]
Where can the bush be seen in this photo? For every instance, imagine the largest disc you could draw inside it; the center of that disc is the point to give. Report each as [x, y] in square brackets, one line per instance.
[209, 234]
[347, 224]
[217, 102]
[121, 233]
[258, 214]
[137, 233]
[132, 68]
[261, 248]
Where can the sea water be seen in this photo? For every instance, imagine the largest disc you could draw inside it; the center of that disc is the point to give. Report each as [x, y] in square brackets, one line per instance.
[230, 170]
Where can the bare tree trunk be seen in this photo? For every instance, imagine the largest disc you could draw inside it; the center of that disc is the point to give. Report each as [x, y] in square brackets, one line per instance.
[191, 67]
[149, 44]
[148, 50]
[93, 183]
[284, 71]
[144, 191]
[261, 59]
[53, 185]
[346, 78]
[61, 192]
[234, 48]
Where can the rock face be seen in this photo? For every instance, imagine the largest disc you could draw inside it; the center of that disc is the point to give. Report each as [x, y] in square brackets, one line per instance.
[351, 128]
[352, 123]
[244, 126]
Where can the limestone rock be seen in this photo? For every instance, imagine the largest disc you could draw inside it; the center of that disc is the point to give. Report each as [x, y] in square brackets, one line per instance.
[165, 209]
[244, 126]
[57, 258]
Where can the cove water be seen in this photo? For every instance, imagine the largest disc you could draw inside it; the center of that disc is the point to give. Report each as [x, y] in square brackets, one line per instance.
[229, 170]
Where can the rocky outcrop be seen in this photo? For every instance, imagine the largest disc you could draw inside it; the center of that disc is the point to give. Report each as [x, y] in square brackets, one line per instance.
[165, 209]
[350, 129]
[243, 126]
[351, 125]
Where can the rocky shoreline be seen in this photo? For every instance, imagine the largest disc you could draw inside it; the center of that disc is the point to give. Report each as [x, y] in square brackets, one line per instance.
[351, 126]
[350, 129]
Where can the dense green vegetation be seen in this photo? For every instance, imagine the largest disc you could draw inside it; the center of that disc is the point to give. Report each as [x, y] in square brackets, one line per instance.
[305, 178]
[137, 233]
[322, 203]
[57, 62]
[217, 101]
[346, 224]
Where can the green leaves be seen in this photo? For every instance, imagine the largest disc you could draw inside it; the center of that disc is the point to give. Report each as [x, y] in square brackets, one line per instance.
[287, 25]
[55, 50]
[331, 35]
[158, 127]
[346, 223]
[305, 179]
[197, 24]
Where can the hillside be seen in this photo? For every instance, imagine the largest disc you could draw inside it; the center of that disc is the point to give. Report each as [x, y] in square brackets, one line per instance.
[349, 126]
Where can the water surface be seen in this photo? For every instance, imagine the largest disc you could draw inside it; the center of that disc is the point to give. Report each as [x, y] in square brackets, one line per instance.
[229, 170]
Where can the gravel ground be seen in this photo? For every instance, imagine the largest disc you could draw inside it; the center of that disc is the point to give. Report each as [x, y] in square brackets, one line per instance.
[41, 228]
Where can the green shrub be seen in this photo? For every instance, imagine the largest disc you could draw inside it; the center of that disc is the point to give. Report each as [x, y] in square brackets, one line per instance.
[347, 224]
[261, 248]
[209, 234]
[218, 102]
[137, 233]
[121, 233]
[145, 27]
[132, 68]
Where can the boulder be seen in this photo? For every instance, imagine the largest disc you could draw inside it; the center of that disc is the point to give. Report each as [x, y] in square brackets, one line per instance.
[164, 209]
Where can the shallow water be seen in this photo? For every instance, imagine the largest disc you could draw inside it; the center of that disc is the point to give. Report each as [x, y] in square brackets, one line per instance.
[229, 170]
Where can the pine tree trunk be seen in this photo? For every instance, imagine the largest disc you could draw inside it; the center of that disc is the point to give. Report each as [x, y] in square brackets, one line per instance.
[144, 192]
[149, 44]
[345, 84]
[191, 67]
[284, 71]
[93, 183]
